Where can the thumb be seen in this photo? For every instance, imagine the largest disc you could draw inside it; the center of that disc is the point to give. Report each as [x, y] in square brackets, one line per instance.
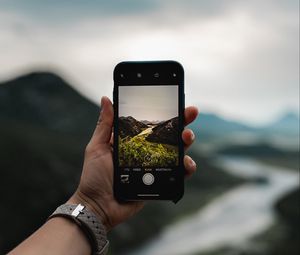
[102, 133]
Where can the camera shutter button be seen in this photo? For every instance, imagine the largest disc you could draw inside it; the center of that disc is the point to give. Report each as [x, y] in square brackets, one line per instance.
[148, 179]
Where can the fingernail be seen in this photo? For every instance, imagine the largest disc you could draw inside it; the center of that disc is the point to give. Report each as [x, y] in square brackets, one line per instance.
[192, 135]
[192, 163]
[101, 103]
[101, 110]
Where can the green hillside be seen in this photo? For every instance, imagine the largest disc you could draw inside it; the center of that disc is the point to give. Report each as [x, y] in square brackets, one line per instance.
[136, 151]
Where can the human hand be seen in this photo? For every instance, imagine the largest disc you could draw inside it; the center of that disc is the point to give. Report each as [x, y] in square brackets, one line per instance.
[95, 189]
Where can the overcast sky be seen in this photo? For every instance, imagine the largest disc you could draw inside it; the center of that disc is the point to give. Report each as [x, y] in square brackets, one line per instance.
[148, 102]
[241, 58]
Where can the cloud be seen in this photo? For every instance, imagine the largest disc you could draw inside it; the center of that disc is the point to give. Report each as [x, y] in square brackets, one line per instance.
[240, 60]
[56, 11]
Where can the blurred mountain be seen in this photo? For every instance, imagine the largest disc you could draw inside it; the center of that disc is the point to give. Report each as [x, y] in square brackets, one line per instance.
[47, 101]
[211, 129]
[211, 124]
[286, 124]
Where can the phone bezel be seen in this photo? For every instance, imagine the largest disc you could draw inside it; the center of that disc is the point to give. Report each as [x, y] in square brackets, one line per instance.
[166, 69]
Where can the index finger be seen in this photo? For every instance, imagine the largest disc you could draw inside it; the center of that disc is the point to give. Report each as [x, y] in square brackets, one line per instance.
[102, 133]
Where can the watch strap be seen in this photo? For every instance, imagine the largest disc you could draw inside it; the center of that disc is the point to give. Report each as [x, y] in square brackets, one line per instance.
[88, 222]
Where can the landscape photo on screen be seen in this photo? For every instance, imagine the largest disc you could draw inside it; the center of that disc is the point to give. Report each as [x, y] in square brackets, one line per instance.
[148, 126]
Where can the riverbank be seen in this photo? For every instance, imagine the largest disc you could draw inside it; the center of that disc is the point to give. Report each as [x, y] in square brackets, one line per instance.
[231, 219]
[281, 238]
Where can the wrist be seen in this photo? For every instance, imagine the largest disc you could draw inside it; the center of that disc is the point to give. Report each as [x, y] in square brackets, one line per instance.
[80, 198]
[87, 221]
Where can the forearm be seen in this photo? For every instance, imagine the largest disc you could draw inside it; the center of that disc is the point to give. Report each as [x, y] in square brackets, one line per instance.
[58, 236]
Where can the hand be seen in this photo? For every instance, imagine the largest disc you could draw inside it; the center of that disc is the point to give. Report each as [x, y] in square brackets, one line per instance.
[95, 189]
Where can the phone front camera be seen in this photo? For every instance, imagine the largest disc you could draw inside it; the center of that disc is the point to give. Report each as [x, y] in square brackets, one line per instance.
[139, 75]
[122, 75]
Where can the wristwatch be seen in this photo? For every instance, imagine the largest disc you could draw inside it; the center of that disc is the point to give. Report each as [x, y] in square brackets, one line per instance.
[89, 224]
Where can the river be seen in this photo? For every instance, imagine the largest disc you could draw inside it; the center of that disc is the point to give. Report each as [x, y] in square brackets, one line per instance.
[233, 217]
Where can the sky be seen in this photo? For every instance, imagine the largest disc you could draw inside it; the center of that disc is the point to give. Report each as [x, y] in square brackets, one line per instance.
[149, 102]
[241, 58]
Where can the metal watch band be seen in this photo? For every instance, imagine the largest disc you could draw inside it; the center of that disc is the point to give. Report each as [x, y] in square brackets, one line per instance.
[88, 222]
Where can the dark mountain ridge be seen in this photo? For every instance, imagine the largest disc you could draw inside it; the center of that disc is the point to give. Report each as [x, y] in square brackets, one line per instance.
[46, 100]
[166, 132]
[129, 126]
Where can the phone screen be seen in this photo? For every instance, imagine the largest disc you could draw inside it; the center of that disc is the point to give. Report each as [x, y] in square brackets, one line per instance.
[148, 128]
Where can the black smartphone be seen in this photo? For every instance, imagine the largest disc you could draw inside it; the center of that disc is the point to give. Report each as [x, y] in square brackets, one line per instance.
[148, 122]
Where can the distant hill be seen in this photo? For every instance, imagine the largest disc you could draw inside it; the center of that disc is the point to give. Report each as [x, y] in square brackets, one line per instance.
[286, 124]
[46, 101]
[152, 122]
[210, 127]
[213, 123]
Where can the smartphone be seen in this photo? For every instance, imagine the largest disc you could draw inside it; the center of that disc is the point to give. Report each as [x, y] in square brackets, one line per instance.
[148, 122]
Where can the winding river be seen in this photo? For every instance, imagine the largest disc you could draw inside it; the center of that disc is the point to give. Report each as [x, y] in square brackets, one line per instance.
[233, 217]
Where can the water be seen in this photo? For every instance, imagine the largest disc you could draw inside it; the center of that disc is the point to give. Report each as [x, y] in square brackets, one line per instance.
[232, 218]
[145, 132]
